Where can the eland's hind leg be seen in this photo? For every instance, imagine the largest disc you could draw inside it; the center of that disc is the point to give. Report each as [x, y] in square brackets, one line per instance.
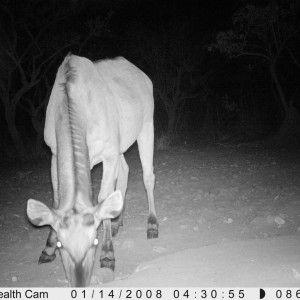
[48, 254]
[121, 185]
[146, 148]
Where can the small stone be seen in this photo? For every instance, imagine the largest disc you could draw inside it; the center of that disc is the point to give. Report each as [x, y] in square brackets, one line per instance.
[14, 279]
[196, 228]
[278, 221]
[228, 221]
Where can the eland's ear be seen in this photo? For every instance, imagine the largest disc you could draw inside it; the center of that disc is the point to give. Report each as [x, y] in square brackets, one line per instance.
[40, 214]
[111, 207]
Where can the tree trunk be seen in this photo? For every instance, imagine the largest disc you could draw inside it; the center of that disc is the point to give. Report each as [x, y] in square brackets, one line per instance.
[290, 127]
[171, 121]
[281, 95]
[291, 118]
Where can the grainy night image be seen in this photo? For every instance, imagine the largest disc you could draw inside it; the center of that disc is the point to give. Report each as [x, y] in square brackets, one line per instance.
[158, 143]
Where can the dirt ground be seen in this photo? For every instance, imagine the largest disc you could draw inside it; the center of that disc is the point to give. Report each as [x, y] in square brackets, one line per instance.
[229, 215]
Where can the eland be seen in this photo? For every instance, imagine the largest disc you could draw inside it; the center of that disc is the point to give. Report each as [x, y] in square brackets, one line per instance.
[95, 113]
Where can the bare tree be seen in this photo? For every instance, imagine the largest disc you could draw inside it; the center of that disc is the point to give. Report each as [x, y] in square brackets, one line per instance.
[25, 58]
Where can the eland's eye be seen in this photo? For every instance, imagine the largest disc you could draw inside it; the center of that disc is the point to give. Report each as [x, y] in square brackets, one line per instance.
[58, 244]
[95, 242]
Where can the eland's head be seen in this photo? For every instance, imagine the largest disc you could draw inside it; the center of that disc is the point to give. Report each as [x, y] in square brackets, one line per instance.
[76, 232]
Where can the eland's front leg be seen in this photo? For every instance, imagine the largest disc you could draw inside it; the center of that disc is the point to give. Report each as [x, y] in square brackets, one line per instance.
[107, 257]
[48, 254]
[146, 148]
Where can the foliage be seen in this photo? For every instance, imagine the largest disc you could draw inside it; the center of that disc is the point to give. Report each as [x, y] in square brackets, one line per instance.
[259, 31]
[266, 35]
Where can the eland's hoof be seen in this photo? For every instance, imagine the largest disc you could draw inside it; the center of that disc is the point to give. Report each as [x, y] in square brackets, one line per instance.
[152, 233]
[107, 257]
[46, 258]
[107, 263]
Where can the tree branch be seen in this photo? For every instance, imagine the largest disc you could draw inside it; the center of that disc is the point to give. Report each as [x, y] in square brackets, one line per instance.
[274, 36]
[34, 42]
[19, 67]
[254, 54]
[292, 56]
